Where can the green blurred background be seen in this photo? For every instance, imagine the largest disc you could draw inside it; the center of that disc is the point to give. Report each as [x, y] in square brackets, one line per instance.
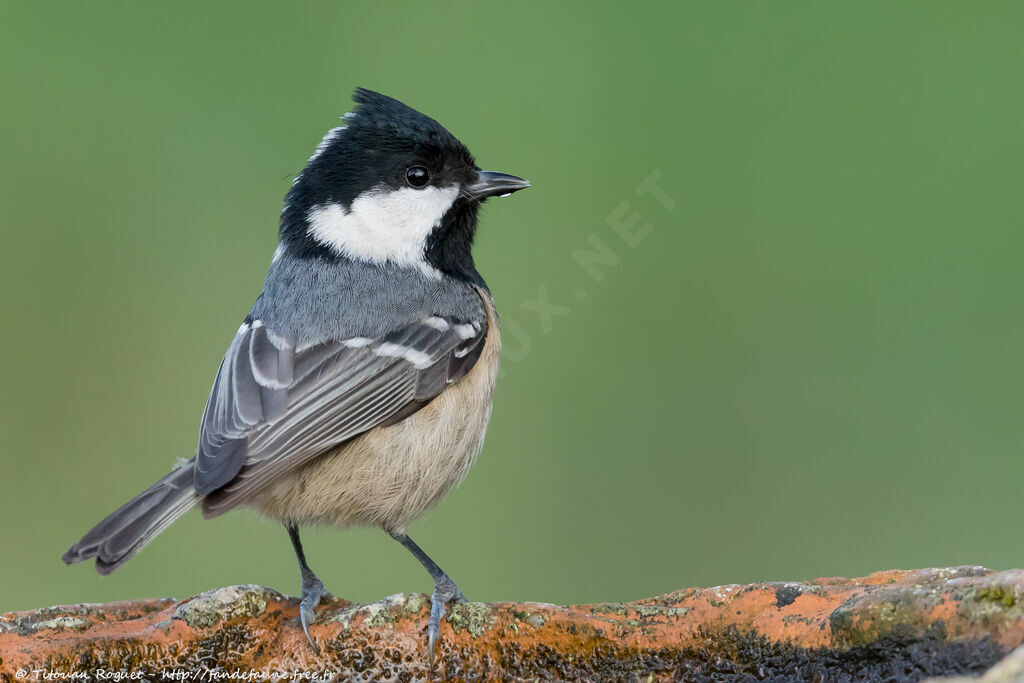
[810, 366]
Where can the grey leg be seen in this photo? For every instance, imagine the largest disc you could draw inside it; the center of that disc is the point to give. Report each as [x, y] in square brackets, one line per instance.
[312, 587]
[445, 591]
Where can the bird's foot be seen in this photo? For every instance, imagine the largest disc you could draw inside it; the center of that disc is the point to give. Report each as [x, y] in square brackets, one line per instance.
[312, 590]
[445, 591]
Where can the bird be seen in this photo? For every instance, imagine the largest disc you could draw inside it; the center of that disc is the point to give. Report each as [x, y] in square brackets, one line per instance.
[358, 388]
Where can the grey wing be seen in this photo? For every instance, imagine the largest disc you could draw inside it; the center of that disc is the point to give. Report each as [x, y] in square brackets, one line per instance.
[250, 391]
[274, 408]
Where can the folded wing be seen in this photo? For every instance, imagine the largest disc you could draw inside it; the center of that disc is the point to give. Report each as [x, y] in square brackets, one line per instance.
[274, 407]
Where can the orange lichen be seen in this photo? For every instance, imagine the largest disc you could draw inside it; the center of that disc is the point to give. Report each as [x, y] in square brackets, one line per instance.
[960, 619]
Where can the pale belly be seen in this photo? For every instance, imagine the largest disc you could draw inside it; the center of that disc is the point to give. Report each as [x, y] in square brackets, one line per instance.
[391, 475]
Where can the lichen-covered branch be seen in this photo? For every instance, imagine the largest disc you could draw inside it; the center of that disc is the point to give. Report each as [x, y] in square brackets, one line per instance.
[894, 625]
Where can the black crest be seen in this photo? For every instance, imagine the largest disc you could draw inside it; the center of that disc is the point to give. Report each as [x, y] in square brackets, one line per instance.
[379, 115]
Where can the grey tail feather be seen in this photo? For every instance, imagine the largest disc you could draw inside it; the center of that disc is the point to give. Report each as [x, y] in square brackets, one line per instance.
[126, 530]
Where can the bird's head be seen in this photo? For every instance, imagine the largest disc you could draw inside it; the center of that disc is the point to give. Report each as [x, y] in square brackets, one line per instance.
[390, 186]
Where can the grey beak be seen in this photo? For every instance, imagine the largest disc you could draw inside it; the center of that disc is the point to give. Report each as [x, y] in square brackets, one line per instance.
[491, 183]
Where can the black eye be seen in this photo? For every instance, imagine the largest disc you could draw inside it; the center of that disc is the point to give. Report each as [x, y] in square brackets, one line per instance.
[418, 176]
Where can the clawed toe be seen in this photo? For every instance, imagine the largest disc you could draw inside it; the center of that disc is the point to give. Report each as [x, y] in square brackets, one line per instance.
[311, 594]
[312, 587]
[445, 591]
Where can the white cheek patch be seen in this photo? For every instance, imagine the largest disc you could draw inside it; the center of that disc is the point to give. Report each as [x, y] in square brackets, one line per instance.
[383, 225]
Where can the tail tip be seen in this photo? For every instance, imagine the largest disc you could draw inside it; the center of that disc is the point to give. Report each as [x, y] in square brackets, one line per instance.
[76, 554]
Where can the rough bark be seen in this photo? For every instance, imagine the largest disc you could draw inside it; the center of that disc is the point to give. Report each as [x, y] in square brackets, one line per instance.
[893, 625]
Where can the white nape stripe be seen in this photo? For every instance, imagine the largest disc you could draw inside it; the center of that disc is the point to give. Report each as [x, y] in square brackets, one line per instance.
[357, 342]
[419, 359]
[384, 225]
[278, 253]
[439, 324]
[331, 136]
